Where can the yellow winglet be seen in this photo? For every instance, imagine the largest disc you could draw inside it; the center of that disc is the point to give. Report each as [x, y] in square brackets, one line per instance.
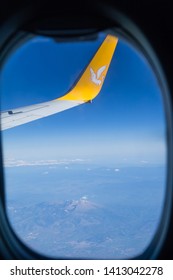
[90, 83]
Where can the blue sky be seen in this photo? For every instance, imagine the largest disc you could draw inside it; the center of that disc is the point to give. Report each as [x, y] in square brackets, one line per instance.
[125, 124]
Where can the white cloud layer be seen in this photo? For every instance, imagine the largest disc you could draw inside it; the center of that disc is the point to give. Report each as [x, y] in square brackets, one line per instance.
[49, 162]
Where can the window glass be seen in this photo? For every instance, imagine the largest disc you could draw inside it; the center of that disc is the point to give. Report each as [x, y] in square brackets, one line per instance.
[87, 182]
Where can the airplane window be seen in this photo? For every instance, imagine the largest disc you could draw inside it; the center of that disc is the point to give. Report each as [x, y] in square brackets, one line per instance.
[84, 147]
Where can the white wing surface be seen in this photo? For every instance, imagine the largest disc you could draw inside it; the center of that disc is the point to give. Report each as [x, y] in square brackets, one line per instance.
[30, 113]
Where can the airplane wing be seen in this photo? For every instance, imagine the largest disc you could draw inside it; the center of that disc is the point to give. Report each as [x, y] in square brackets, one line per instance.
[27, 114]
[85, 90]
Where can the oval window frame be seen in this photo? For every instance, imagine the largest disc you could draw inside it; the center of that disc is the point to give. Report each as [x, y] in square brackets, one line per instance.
[126, 28]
